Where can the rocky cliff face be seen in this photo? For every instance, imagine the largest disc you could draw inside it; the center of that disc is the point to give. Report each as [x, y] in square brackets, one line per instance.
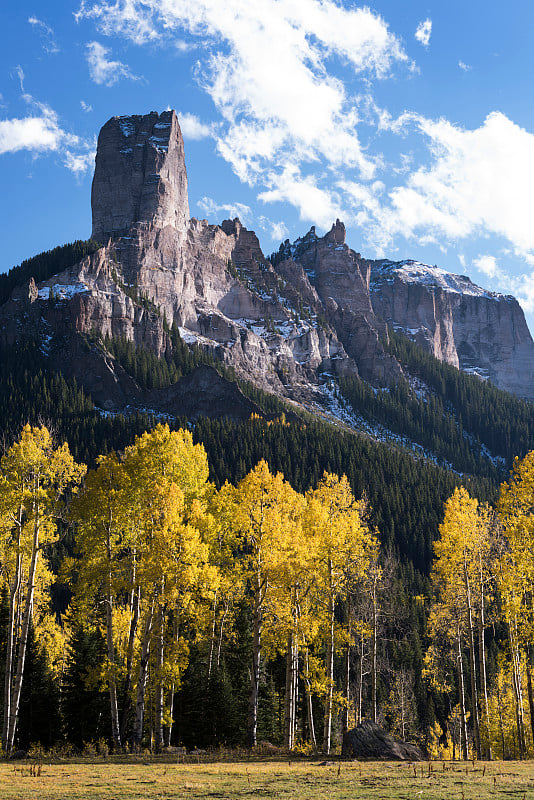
[315, 309]
[140, 176]
[481, 332]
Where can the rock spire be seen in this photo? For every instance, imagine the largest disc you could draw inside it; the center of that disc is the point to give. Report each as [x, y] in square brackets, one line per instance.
[140, 175]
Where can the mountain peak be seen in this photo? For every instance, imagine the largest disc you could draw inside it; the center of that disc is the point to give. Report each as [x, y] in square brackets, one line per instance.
[337, 233]
[410, 271]
[140, 175]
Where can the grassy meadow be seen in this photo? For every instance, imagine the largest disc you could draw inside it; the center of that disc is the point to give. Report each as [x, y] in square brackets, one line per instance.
[289, 780]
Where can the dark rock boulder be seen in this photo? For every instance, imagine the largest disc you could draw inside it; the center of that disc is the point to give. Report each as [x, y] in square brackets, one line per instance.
[371, 741]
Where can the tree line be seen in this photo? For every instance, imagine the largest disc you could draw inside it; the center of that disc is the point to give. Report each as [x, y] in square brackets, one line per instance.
[274, 610]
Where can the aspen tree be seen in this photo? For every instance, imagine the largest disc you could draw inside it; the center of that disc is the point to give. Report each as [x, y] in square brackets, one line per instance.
[139, 547]
[167, 487]
[516, 584]
[101, 516]
[35, 481]
[344, 547]
[265, 510]
[461, 572]
[290, 613]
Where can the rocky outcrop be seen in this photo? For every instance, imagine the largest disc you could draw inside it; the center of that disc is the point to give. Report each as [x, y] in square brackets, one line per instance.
[140, 176]
[368, 740]
[335, 282]
[480, 332]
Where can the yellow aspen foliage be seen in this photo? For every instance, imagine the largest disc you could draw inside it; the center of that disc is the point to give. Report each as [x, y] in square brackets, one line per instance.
[462, 577]
[262, 516]
[344, 547]
[516, 512]
[35, 480]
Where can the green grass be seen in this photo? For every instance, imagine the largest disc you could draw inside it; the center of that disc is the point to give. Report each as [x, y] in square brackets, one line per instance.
[287, 780]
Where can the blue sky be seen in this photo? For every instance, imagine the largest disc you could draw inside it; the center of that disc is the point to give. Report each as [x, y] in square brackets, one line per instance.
[411, 121]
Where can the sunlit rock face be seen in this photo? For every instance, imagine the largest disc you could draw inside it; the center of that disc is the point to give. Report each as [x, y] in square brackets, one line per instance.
[481, 332]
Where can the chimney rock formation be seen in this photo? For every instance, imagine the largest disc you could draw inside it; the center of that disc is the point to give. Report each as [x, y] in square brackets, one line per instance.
[140, 175]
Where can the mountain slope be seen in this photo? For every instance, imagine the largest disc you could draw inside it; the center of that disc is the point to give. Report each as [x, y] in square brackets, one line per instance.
[300, 324]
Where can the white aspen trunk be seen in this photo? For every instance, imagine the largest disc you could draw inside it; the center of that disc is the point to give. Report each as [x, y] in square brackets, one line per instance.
[360, 683]
[289, 698]
[112, 676]
[134, 621]
[483, 682]
[10, 645]
[23, 641]
[221, 629]
[472, 664]
[529, 689]
[461, 692]
[142, 679]
[309, 702]
[159, 692]
[329, 667]
[482, 663]
[402, 711]
[112, 673]
[346, 708]
[374, 657]
[212, 638]
[255, 671]
[501, 723]
[518, 692]
[295, 673]
[167, 729]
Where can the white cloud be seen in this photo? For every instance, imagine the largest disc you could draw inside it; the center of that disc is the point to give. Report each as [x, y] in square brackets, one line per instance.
[276, 230]
[463, 66]
[488, 266]
[192, 127]
[523, 288]
[103, 70]
[314, 204]
[40, 132]
[47, 34]
[480, 181]
[276, 72]
[226, 210]
[85, 106]
[30, 133]
[520, 286]
[19, 72]
[79, 163]
[424, 32]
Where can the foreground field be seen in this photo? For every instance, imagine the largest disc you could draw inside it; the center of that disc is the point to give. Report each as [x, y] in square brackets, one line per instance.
[302, 780]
